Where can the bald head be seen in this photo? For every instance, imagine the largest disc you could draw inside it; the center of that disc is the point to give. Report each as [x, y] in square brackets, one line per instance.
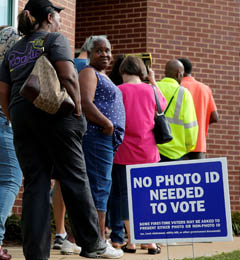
[174, 69]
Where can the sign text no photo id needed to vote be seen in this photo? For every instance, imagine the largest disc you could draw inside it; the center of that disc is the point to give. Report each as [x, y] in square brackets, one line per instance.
[182, 201]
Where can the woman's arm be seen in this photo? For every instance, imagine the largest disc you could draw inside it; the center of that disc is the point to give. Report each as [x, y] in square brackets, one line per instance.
[88, 84]
[4, 97]
[68, 79]
[151, 77]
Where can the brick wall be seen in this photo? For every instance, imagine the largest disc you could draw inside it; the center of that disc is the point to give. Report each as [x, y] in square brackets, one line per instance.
[68, 29]
[205, 31]
[124, 22]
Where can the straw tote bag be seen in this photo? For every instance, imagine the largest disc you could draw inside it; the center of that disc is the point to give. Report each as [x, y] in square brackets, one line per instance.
[43, 89]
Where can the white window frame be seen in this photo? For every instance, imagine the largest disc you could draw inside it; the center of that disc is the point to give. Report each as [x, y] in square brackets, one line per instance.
[14, 13]
[12, 19]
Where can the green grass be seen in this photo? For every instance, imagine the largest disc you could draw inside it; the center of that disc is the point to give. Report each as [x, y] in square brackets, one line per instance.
[235, 255]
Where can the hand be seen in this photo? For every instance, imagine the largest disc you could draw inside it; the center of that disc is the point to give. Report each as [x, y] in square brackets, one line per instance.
[77, 115]
[77, 112]
[151, 76]
[108, 130]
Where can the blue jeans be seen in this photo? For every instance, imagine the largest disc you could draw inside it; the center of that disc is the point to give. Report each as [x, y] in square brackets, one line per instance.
[10, 174]
[98, 153]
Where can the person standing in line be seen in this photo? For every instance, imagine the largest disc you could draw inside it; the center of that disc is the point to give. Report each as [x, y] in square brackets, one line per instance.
[59, 211]
[43, 141]
[103, 106]
[10, 172]
[205, 107]
[180, 114]
[115, 75]
[82, 60]
[139, 145]
[114, 213]
[63, 241]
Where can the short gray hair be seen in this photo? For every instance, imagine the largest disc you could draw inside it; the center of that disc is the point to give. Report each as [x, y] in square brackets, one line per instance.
[90, 42]
[84, 46]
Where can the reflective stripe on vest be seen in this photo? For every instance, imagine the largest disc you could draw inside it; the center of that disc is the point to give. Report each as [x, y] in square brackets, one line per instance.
[175, 119]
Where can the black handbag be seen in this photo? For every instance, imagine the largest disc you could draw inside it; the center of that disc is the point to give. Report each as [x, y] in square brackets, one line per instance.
[161, 130]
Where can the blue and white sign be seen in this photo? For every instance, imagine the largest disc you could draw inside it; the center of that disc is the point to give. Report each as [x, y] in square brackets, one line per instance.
[180, 201]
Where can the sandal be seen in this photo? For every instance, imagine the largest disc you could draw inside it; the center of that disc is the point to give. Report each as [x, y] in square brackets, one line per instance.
[128, 250]
[4, 255]
[154, 251]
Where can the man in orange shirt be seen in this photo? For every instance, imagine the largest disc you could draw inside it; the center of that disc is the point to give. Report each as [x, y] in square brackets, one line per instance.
[205, 107]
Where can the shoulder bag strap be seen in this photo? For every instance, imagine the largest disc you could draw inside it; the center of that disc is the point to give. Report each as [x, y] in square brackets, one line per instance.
[170, 101]
[159, 110]
[158, 103]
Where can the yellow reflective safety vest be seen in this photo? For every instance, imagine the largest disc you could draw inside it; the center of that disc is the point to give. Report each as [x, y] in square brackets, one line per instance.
[182, 119]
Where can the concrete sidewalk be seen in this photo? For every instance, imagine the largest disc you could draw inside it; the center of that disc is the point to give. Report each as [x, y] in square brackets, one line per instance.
[175, 252]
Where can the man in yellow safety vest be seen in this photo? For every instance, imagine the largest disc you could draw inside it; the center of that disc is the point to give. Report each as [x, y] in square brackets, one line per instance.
[180, 114]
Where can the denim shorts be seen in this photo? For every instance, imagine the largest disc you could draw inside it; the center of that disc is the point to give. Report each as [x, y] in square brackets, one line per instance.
[98, 153]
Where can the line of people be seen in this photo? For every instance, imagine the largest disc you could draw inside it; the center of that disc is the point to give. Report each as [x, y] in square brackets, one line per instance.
[87, 152]
[184, 125]
[189, 130]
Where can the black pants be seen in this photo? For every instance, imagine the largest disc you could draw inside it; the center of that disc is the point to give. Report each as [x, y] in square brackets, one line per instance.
[44, 141]
[194, 155]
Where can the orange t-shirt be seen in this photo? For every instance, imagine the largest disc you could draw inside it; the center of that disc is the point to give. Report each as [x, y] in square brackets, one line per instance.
[204, 106]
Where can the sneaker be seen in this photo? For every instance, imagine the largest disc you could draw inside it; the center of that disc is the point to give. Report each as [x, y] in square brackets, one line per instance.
[58, 241]
[69, 248]
[112, 252]
[104, 252]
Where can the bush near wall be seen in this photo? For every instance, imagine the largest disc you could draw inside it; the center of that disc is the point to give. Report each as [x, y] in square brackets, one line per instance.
[236, 223]
[13, 234]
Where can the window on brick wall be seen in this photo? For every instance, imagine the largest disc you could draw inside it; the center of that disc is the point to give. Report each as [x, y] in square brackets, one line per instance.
[8, 12]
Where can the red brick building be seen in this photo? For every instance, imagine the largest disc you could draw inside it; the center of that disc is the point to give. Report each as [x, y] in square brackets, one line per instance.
[205, 31]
